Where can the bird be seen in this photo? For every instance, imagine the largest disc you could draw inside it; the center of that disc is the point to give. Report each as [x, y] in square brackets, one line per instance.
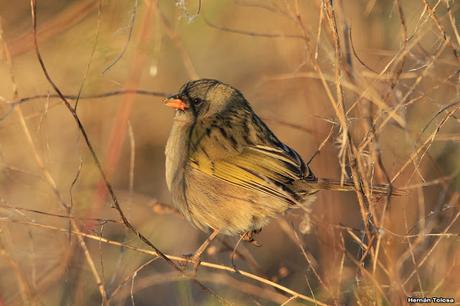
[226, 170]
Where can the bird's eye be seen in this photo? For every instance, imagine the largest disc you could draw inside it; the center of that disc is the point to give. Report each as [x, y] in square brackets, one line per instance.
[197, 101]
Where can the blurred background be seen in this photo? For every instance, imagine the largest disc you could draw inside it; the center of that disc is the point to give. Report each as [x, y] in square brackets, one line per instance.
[369, 88]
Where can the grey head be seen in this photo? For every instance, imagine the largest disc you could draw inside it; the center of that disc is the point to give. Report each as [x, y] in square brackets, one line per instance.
[204, 98]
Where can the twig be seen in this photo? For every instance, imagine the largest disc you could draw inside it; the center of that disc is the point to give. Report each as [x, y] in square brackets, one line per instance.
[132, 19]
[93, 52]
[35, 211]
[13, 104]
[176, 39]
[26, 290]
[132, 162]
[424, 259]
[175, 258]
[71, 15]
[130, 277]
[426, 143]
[98, 163]
[320, 147]
[143, 92]
[249, 33]
[445, 36]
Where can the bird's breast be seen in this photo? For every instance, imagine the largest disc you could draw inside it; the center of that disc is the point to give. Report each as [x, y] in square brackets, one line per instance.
[176, 152]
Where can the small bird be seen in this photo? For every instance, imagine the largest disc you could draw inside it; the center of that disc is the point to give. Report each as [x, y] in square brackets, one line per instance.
[225, 168]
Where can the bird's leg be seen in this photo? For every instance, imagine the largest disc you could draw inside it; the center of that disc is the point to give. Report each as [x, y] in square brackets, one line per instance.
[249, 237]
[197, 255]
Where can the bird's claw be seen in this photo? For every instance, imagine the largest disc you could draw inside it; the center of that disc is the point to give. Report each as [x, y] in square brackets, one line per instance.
[193, 260]
[249, 237]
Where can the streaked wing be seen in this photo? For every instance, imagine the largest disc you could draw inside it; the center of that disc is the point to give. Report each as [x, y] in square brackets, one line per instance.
[245, 152]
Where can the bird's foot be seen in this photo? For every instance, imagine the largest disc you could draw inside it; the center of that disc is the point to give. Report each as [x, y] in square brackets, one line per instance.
[249, 237]
[193, 260]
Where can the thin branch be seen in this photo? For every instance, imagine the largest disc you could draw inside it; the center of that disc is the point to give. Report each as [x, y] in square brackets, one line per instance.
[132, 19]
[49, 214]
[93, 51]
[249, 33]
[109, 187]
[188, 260]
[428, 253]
[143, 92]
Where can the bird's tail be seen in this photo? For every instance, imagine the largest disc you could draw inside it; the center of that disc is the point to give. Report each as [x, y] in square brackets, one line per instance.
[348, 185]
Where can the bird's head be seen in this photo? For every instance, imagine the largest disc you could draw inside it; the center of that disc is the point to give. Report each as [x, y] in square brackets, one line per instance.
[204, 98]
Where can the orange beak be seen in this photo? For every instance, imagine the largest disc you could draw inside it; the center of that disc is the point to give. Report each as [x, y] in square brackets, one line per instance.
[176, 103]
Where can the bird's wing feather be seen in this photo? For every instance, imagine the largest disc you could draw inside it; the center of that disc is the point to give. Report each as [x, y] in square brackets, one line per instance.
[252, 160]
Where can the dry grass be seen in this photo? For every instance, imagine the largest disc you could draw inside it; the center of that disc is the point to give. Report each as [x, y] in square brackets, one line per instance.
[371, 89]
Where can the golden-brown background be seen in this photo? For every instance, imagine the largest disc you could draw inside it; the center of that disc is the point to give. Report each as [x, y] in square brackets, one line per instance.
[381, 76]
